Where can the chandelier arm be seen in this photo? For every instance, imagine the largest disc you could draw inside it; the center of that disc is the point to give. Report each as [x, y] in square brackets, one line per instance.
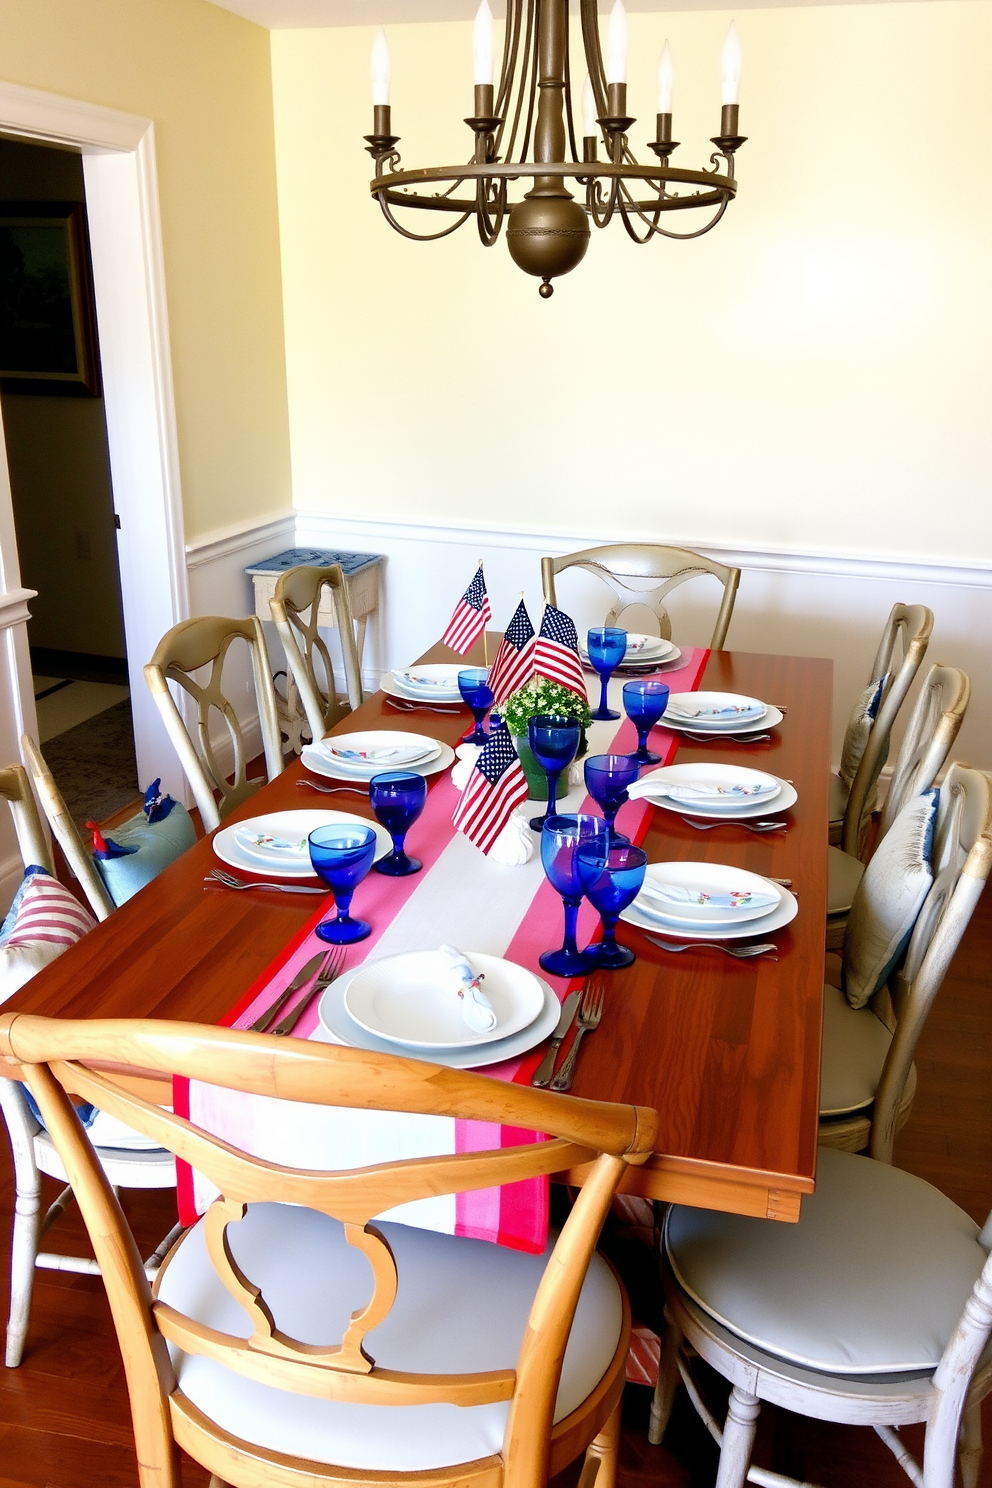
[518, 80]
[490, 227]
[589, 12]
[627, 207]
[529, 88]
[569, 120]
[421, 237]
[511, 48]
[715, 184]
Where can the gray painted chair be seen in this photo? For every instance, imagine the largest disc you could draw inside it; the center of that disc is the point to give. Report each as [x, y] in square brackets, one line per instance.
[295, 607]
[201, 642]
[617, 562]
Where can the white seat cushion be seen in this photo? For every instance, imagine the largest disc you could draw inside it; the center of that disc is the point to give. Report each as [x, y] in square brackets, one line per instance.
[855, 1046]
[461, 1305]
[871, 1281]
[839, 792]
[844, 874]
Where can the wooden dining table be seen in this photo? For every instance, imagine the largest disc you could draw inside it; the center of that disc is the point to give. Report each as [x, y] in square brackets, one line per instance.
[727, 1051]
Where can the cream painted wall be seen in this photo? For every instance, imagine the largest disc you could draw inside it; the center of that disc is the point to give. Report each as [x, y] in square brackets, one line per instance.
[203, 75]
[814, 375]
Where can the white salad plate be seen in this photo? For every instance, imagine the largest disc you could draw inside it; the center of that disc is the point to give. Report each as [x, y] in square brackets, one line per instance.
[338, 1027]
[782, 915]
[781, 801]
[756, 712]
[771, 719]
[232, 843]
[322, 763]
[655, 787]
[425, 683]
[646, 665]
[379, 749]
[640, 648]
[705, 878]
[412, 999]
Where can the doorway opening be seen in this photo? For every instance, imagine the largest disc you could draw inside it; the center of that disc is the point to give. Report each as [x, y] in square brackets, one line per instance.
[59, 464]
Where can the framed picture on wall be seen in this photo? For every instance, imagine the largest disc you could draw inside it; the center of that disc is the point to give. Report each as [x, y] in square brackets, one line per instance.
[48, 341]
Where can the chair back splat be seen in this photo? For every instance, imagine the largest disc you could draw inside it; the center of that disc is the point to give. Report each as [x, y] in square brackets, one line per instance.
[295, 607]
[615, 563]
[65, 832]
[55, 1055]
[201, 642]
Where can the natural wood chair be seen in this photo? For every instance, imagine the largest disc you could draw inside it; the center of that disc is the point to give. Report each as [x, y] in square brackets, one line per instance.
[931, 731]
[875, 1310]
[868, 1077]
[295, 607]
[65, 832]
[286, 1307]
[32, 1149]
[617, 562]
[852, 789]
[201, 642]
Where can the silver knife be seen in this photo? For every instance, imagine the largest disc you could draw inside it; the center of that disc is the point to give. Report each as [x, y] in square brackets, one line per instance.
[546, 1068]
[300, 980]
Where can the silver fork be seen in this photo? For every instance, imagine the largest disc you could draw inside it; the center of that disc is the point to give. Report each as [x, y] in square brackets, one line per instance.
[759, 826]
[590, 1013]
[331, 790]
[217, 875]
[331, 970]
[728, 738]
[421, 707]
[741, 953]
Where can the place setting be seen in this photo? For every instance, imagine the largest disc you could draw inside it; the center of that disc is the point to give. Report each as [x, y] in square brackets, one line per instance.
[355, 758]
[701, 906]
[613, 649]
[430, 687]
[707, 795]
[730, 717]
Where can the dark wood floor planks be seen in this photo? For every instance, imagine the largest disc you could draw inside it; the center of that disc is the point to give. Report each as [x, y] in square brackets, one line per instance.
[64, 1419]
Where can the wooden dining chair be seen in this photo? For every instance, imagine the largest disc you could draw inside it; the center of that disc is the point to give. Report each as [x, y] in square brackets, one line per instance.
[295, 607]
[290, 1333]
[930, 732]
[874, 1310]
[866, 740]
[205, 642]
[615, 563]
[868, 1079]
[65, 832]
[31, 1147]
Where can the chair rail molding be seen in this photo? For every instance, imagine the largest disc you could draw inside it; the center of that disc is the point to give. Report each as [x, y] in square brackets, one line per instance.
[225, 542]
[119, 171]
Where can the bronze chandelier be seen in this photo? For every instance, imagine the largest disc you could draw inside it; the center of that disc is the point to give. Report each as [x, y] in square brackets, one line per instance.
[524, 131]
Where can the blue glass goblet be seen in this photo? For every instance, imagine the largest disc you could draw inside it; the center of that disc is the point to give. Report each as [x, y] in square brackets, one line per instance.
[607, 646]
[607, 779]
[341, 854]
[644, 702]
[473, 684]
[560, 839]
[553, 742]
[611, 878]
[397, 798]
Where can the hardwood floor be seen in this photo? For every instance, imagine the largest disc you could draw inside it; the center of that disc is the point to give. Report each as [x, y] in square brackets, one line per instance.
[64, 1419]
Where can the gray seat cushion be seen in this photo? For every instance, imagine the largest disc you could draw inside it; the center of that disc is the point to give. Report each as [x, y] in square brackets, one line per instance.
[844, 874]
[461, 1305]
[855, 1047]
[871, 1281]
[839, 792]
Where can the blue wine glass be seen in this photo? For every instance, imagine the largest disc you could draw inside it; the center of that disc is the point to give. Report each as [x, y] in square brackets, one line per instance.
[611, 877]
[607, 646]
[341, 854]
[644, 702]
[553, 742]
[473, 684]
[607, 779]
[560, 839]
[397, 798]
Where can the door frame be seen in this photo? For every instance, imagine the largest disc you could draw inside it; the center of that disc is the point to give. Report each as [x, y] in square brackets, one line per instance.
[122, 207]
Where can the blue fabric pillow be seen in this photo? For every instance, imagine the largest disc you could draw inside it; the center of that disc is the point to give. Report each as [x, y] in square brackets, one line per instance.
[142, 847]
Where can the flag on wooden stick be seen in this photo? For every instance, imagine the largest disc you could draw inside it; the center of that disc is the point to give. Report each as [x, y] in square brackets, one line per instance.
[472, 615]
[514, 664]
[556, 651]
[495, 787]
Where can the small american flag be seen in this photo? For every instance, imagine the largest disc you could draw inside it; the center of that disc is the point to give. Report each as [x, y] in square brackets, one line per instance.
[496, 785]
[472, 615]
[556, 651]
[514, 664]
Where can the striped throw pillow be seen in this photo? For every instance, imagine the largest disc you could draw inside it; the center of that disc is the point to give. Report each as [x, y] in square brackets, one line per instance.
[44, 920]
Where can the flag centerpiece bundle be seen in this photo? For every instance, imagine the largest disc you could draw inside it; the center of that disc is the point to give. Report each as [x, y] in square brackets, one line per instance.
[471, 616]
[495, 787]
[556, 650]
[514, 664]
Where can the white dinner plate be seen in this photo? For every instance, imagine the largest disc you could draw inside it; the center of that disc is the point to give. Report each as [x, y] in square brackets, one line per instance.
[756, 711]
[287, 824]
[782, 915]
[362, 774]
[771, 805]
[435, 677]
[640, 648]
[772, 718]
[647, 667]
[379, 749]
[412, 999]
[338, 1027]
[394, 686]
[655, 782]
[714, 878]
[321, 764]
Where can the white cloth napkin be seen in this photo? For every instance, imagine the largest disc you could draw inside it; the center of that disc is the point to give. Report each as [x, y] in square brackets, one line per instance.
[701, 791]
[707, 710]
[446, 684]
[682, 894]
[247, 838]
[399, 754]
[477, 1010]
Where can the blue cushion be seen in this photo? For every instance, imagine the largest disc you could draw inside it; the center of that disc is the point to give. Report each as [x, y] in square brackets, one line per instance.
[143, 846]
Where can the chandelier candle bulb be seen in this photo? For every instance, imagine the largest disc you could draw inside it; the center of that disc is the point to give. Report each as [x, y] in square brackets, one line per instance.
[589, 129]
[482, 46]
[617, 43]
[730, 69]
[382, 71]
[666, 81]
